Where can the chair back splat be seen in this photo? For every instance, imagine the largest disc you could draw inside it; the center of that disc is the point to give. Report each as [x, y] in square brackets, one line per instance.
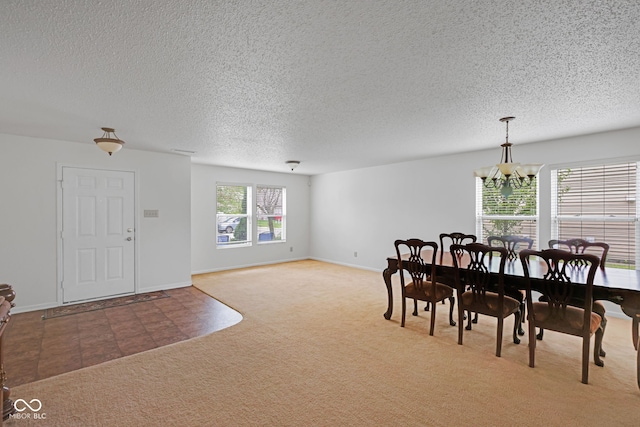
[455, 238]
[513, 244]
[581, 246]
[557, 310]
[478, 291]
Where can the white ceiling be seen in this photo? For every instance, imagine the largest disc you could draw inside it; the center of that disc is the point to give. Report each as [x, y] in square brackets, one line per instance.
[335, 84]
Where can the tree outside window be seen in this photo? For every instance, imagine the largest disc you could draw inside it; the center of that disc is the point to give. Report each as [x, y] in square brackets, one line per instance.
[270, 213]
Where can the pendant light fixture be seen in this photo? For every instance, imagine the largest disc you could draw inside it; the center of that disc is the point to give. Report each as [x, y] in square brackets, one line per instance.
[108, 143]
[508, 175]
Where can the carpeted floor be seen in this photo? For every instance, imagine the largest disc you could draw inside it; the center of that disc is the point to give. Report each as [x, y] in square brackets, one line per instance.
[314, 350]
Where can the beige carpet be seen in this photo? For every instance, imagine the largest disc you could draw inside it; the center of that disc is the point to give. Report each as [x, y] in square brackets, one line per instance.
[314, 350]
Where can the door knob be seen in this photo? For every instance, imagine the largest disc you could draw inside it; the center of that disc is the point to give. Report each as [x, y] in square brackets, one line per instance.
[129, 239]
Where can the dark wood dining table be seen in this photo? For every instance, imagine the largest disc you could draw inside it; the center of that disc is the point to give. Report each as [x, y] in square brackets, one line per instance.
[619, 286]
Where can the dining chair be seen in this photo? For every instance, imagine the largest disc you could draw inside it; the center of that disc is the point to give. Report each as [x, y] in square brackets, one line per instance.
[455, 238]
[556, 311]
[422, 282]
[581, 246]
[514, 244]
[478, 293]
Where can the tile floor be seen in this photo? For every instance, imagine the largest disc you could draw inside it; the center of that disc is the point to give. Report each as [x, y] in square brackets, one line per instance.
[35, 349]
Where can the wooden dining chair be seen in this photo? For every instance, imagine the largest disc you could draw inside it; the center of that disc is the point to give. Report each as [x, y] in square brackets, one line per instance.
[422, 282]
[455, 238]
[556, 311]
[514, 244]
[478, 293]
[581, 246]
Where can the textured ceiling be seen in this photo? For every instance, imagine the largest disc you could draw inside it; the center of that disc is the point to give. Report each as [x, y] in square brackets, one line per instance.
[335, 84]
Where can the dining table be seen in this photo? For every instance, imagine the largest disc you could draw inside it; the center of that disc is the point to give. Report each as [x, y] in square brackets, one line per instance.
[620, 286]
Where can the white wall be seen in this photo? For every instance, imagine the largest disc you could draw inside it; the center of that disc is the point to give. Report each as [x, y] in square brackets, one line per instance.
[206, 257]
[28, 225]
[365, 210]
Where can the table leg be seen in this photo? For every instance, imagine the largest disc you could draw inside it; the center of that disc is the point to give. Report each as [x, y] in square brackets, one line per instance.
[386, 274]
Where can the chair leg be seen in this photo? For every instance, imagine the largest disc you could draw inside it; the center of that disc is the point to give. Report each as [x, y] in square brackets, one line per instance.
[460, 322]
[597, 348]
[468, 327]
[451, 303]
[517, 325]
[603, 325]
[475, 318]
[532, 343]
[585, 359]
[433, 319]
[499, 336]
[522, 317]
[426, 307]
[415, 307]
[539, 336]
[404, 311]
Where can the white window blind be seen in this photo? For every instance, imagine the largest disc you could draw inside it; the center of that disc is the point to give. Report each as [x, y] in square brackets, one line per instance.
[598, 203]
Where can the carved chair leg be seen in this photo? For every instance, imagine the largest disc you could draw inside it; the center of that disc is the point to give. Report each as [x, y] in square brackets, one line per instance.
[517, 325]
[540, 334]
[522, 314]
[426, 307]
[475, 318]
[404, 310]
[415, 307]
[451, 303]
[598, 346]
[603, 325]
[468, 327]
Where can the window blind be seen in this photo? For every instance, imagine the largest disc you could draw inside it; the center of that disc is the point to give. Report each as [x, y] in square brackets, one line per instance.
[598, 203]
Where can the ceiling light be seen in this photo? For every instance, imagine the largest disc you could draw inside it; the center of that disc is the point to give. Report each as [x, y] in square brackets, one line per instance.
[508, 175]
[292, 163]
[108, 143]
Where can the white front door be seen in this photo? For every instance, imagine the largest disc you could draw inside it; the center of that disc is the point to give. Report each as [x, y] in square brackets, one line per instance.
[97, 233]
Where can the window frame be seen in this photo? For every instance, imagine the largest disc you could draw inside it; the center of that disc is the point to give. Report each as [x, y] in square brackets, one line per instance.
[282, 214]
[248, 215]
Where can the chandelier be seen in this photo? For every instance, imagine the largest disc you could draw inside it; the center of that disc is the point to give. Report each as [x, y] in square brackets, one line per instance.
[507, 175]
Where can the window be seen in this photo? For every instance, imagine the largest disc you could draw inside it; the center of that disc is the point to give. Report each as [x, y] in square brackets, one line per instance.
[270, 213]
[598, 203]
[498, 216]
[233, 218]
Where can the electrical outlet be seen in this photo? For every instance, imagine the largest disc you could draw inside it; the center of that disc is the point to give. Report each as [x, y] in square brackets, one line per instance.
[355, 254]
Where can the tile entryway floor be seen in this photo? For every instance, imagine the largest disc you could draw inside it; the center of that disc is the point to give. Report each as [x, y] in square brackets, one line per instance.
[37, 348]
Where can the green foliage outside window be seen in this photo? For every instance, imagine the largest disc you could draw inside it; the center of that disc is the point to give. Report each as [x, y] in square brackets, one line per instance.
[522, 202]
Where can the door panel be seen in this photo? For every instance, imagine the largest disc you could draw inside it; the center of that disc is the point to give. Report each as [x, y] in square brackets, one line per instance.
[97, 238]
